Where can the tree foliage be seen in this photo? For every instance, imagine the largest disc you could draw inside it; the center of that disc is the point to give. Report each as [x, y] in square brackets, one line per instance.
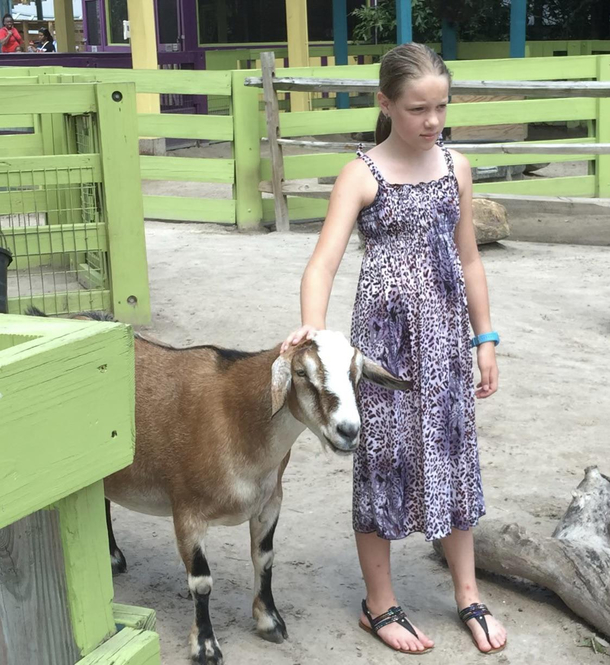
[486, 20]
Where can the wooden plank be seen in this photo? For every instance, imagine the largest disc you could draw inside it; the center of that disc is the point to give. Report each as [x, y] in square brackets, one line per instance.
[84, 535]
[134, 617]
[62, 302]
[485, 113]
[309, 166]
[73, 385]
[49, 170]
[272, 115]
[246, 151]
[55, 239]
[34, 617]
[185, 126]
[526, 69]
[187, 169]
[128, 647]
[19, 121]
[123, 202]
[50, 99]
[23, 145]
[602, 166]
[299, 208]
[569, 186]
[167, 81]
[188, 209]
[520, 88]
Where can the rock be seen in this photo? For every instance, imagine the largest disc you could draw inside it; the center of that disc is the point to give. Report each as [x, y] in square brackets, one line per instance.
[490, 221]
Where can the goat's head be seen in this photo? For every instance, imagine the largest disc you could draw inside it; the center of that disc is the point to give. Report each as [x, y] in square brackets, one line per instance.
[318, 380]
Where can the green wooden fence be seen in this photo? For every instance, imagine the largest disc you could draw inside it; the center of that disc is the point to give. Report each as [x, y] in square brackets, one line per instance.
[595, 113]
[244, 127]
[70, 203]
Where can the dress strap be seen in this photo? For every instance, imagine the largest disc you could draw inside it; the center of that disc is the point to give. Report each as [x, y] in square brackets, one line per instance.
[371, 164]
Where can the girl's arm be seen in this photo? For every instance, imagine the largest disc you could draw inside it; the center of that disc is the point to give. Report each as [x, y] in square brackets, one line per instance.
[4, 39]
[474, 277]
[354, 189]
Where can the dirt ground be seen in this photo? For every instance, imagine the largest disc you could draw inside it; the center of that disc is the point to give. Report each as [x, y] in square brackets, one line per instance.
[546, 423]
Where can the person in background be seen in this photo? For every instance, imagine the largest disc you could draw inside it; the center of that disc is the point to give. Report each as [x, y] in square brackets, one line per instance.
[10, 39]
[44, 43]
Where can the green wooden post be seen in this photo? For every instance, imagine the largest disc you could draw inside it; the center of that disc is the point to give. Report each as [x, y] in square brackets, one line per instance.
[602, 170]
[246, 151]
[55, 572]
[123, 206]
[82, 519]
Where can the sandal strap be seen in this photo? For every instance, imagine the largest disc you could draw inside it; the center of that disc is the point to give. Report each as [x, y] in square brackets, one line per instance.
[393, 615]
[477, 611]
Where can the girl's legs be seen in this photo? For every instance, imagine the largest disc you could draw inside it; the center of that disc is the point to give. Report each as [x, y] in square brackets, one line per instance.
[459, 551]
[374, 555]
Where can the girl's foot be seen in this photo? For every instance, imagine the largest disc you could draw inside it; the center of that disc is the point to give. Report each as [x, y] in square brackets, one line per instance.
[395, 635]
[497, 632]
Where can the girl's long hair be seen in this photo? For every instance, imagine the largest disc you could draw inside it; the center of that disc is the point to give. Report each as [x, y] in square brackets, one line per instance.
[402, 64]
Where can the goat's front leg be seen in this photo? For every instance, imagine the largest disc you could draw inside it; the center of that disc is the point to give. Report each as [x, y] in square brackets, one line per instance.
[204, 645]
[270, 625]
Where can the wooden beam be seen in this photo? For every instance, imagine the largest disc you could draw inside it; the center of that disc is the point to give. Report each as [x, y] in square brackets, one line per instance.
[64, 26]
[282, 222]
[143, 47]
[518, 88]
[518, 22]
[298, 46]
[529, 148]
[404, 21]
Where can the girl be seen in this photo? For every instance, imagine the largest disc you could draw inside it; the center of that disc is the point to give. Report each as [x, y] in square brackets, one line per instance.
[10, 39]
[417, 467]
[45, 42]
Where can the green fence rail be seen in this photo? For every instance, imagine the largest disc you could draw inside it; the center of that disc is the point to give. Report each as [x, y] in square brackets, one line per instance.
[70, 201]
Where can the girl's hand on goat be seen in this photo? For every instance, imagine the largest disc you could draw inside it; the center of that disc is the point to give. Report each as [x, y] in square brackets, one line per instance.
[304, 332]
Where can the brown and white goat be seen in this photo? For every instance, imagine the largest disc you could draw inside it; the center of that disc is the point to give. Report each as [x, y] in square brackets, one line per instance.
[214, 430]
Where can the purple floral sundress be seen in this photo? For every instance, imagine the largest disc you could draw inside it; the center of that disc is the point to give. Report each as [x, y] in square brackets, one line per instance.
[417, 465]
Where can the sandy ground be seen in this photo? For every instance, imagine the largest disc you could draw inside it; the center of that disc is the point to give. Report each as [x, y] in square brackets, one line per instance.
[546, 424]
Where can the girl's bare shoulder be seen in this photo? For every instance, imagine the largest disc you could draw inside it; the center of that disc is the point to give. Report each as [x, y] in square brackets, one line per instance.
[356, 178]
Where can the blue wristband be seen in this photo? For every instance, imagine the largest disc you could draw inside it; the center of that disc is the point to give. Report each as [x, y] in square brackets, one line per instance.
[485, 337]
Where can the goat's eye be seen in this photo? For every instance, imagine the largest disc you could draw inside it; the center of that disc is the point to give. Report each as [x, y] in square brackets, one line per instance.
[300, 372]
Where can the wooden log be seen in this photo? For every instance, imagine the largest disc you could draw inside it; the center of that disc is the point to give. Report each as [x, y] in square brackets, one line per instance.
[518, 88]
[272, 115]
[574, 562]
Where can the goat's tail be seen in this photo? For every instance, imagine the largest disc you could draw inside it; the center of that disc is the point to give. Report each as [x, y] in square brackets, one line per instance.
[93, 315]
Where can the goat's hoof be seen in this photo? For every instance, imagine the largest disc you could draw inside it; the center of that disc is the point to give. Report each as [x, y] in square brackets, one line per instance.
[119, 563]
[207, 653]
[273, 629]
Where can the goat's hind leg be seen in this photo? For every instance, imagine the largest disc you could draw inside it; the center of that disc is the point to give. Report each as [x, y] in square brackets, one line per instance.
[204, 645]
[270, 625]
[119, 564]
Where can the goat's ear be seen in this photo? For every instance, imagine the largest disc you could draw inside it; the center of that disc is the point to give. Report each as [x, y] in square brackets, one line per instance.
[280, 383]
[373, 372]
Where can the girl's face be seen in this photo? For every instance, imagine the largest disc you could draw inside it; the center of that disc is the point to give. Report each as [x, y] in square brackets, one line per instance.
[419, 114]
[8, 22]
[40, 36]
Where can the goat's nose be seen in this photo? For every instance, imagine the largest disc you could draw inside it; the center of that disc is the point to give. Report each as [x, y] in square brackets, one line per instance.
[348, 431]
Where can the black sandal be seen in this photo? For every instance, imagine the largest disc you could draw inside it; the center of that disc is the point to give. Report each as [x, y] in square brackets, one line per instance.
[478, 611]
[393, 615]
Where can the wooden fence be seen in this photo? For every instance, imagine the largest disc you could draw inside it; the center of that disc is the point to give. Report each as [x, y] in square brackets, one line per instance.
[594, 113]
[243, 129]
[70, 202]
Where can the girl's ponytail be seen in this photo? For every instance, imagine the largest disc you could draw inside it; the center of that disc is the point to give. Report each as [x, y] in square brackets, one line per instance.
[383, 127]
